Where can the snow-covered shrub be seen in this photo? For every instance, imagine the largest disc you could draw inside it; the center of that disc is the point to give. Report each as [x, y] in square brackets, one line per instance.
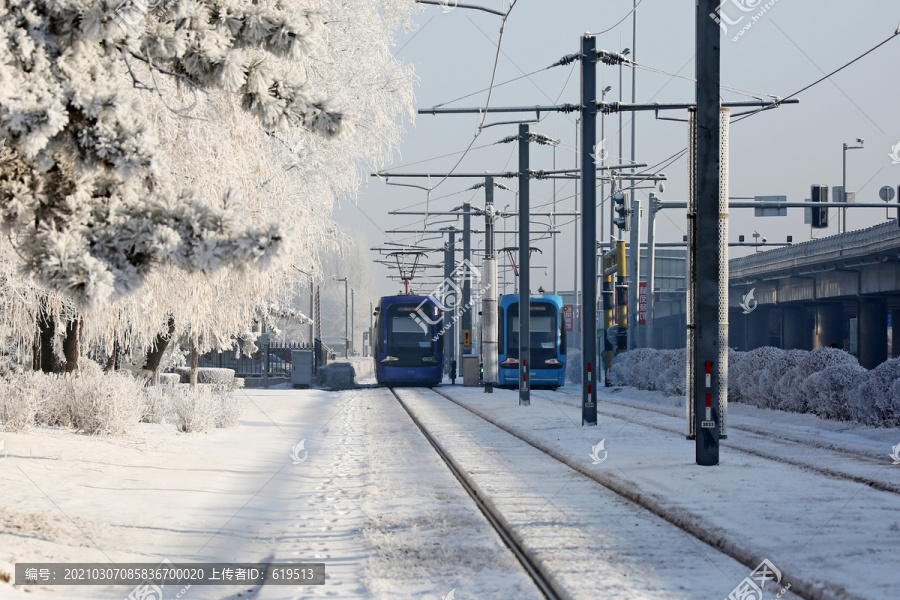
[772, 395]
[211, 375]
[238, 383]
[830, 391]
[795, 397]
[201, 409]
[745, 375]
[195, 409]
[672, 378]
[337, 376]
[103, 403]
[18, 406]
[169, 378]
[229, 410]
[877, 392]
[573, 366]
[157, 404]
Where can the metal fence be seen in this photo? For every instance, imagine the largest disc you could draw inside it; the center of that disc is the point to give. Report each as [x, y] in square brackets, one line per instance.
[271, 359]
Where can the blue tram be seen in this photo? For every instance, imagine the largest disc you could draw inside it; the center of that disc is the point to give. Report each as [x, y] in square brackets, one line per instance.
[408, 346]
[548, 341]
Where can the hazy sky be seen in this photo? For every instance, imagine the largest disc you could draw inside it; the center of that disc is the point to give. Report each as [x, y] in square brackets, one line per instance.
[780, 152]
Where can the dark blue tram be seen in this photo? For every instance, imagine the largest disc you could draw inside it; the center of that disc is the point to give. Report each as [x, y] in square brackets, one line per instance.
[408, 346]
[548, 341]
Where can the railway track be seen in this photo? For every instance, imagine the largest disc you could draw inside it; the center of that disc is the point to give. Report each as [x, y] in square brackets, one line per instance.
[844, 469]
[533, 565]
[522, 555]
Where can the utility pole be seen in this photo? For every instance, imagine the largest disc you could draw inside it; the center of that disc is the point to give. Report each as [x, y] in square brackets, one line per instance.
[352, 312]
[489, 309]
[449, 267]
[588, 231]
[467, 280]
[524, 267]
[651, 269]
[705, 249]
[634, 270]
[554, 222]
[346, 319]
[576, 303]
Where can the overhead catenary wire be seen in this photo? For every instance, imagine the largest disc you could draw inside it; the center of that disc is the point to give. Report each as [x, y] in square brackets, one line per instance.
[745, 115]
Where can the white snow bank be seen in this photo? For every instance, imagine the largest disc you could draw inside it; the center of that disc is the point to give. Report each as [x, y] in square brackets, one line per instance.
[827, 382]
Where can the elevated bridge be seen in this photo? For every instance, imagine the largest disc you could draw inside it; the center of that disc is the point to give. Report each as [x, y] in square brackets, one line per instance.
[841, 291]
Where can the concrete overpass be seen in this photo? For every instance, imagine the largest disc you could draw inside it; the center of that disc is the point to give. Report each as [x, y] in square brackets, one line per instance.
[841, 290]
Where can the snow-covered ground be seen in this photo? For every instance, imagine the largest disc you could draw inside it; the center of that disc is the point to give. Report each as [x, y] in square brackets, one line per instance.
[831, 537]
[369, 498]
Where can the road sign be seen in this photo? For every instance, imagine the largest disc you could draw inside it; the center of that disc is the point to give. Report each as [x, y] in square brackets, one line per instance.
[886, 193]
[766, 211]
[570, 317]
[467, 337]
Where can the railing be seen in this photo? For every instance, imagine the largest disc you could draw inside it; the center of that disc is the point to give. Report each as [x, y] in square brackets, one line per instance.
[272, 359]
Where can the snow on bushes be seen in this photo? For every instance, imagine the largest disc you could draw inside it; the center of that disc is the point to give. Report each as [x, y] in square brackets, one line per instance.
[337, 376]
[828, 382]
[650, 369]
[208, 375]
[830, 389]
[96, 402]
[170, 378]
[877, 392]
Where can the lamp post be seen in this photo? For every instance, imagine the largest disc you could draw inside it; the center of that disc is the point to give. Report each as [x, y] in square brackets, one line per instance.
[861, 143]
[603, 153]
[312, 309]
[346, 309]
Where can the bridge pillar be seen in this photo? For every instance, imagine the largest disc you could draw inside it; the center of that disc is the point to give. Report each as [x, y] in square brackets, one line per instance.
[872, 342]
[795, 329]
[757, 329]
[895, 337]
[829, 326]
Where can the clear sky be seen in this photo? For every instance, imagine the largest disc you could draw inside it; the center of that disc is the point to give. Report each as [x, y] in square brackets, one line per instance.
[780, 152]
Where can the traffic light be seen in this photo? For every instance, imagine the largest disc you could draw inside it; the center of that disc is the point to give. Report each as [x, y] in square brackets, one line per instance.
[819, 215]
[622, 210]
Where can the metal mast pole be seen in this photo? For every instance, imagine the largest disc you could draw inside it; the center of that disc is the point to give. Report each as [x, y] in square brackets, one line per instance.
[554, 222]
[489, 309]
[634, 271]
[467, 280]
[346, 318]
[352, 312]
[633, 95]
[706, 247]
[842, 228]
[449, 339]
[588, 231]
[651, 268]
[524, 268]
[576, 317]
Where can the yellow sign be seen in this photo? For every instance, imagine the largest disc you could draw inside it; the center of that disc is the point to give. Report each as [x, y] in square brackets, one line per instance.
[467, 337]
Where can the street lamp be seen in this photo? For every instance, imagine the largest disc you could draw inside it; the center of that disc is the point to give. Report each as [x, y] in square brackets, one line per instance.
[603, 92]
[346, 309]
[312, 308]
[861, 143]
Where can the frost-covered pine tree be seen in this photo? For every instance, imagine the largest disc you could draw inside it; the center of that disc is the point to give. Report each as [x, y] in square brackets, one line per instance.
[86, 195]
[233, 160]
